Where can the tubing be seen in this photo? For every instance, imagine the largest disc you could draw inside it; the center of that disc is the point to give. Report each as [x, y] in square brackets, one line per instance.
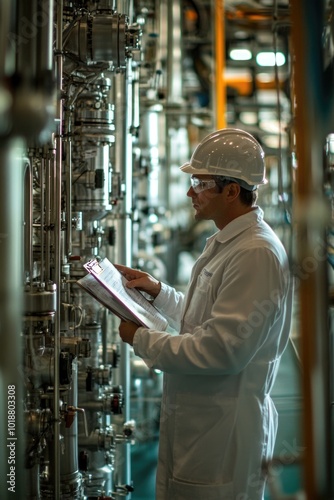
[220, 89]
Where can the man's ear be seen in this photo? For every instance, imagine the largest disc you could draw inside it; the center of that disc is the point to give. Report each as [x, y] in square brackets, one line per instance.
[232, 191]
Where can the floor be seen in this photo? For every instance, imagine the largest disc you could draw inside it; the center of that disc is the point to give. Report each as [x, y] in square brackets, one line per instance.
[144, 460]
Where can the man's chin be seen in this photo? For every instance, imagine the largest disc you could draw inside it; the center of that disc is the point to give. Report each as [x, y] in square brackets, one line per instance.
[198, 216]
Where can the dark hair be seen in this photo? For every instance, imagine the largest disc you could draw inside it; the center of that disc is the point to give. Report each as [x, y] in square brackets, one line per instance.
[248, 198]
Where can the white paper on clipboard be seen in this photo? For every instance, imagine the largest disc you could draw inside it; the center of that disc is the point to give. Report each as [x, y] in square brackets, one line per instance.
[105, 283]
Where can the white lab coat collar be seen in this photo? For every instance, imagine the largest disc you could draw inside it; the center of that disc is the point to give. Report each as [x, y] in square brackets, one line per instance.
[237, 226]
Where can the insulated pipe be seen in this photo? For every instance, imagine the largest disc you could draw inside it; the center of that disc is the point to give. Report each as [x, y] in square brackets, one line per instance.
[11, 272]
[174, 53]
[34, 41]
[123, 167]
[5, 9]
[123, 250]
[43, 20]
[26, 41]
[174, 97]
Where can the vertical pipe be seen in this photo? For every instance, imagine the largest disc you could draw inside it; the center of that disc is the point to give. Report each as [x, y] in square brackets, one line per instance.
[125, 6]
[174, 54]
[27, 41]
[174, 98]
[11, 272]
[28, 209]
[219, 106]
[42, 215]
[5, 9]
[57, 249]
[311, 219]
[69, 463]
[123, 162]
[123, 165]
[44, 22]
[69, 187]
[48, 217]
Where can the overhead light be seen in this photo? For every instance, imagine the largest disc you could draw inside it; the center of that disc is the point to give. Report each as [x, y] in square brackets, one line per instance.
[240, 54]
[273, 141]
[272, 126]
[249, 117]
[264, 77]
[270, 59]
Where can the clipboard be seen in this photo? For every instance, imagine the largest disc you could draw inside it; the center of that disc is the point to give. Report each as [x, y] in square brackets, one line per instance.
[107, 285]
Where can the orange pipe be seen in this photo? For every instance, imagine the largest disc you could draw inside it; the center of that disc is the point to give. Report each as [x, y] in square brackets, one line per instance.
[220, 87]
[310, 127]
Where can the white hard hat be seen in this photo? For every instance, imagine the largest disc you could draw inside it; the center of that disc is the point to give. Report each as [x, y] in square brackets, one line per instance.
[229, 152]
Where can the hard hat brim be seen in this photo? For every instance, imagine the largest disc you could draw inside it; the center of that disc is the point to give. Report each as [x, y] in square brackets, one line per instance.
[189, 169]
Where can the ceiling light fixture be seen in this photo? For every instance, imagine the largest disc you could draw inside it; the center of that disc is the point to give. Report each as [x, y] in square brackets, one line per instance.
[270, 59]
[240, 54]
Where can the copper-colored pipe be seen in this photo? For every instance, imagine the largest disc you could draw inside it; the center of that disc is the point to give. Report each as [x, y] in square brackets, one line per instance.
[256, 17]
[310, 220]
[301, 193]
[220, 88]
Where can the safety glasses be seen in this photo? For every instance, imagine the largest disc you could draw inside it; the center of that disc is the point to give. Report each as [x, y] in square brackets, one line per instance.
[199, 185]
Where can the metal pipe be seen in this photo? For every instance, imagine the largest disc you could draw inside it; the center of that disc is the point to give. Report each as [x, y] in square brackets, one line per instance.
[48, 192]
[27, 47]
[57, 249]
[174, 98]
[123, 164]
[11, 271]
[69, 463]
[5, 9]
[68, 173]
[28, 222]
[123, 252]
[311, 218]
[44, 22]
[42, 215]
[122, 6]
[104, 324]
[174, 54]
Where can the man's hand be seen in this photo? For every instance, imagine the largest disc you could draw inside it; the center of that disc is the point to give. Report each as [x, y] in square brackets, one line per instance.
[141, 280]
[127, 330]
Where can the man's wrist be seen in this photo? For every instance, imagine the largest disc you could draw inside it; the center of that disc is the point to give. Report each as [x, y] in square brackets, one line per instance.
[158, 289]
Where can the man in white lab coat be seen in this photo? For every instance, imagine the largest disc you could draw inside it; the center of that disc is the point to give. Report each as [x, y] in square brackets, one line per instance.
[218, 422]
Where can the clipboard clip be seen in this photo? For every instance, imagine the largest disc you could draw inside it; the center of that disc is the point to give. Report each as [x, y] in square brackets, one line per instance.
[94, 266]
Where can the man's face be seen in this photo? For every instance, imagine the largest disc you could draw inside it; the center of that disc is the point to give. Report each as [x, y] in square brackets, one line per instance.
[203, 194]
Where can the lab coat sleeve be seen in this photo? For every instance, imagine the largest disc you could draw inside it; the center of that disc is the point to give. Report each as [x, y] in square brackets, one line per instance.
[247, 314]
[170, 303]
